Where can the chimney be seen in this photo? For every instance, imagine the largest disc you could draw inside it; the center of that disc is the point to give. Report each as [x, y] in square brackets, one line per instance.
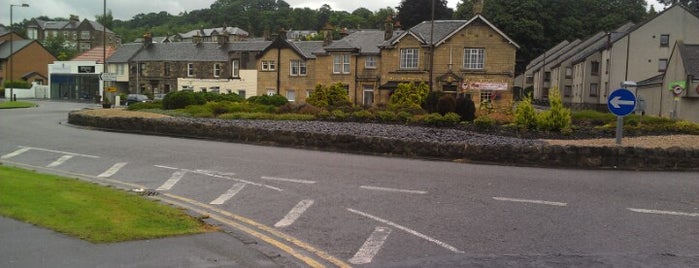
[224, 37]
[74, 18]
[196, 39]
[388, 28]
[147, 39]
[478, 6]
[327, 34]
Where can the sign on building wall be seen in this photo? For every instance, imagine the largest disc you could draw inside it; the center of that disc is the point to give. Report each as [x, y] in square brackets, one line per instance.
[86, 69]
[484, 85]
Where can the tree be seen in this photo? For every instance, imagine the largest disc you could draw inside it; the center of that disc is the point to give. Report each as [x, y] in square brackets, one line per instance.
[413, 12]
[691, 4]
[106, 19]
[59, 48]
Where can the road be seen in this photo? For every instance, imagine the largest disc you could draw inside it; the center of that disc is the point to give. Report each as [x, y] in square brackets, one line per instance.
[356, 210]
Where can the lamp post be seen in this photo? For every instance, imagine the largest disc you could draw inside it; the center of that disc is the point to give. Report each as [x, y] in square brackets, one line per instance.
[12, 51]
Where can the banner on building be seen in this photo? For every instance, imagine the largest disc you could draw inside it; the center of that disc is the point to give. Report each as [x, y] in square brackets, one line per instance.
[484, 85]
[677, 87]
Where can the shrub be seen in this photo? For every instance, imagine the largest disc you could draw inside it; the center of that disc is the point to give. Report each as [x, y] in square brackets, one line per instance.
[686, 127]
[145, 105]
[199, 111]
[182, 99]
[338, 115]
[363, 116]
[386, 116]
[557, 118]
[484, 122]
[407, 95]
[465, 108]
[452, 119]
[329, 97]
[324, 114]
[438, 120]
[222, 107]
[308, 109]
[211, 96]
[404, 116]
[525, 114]
[267, 116]
[274, 100]
[17, 84]
[446, 104]
[432, 101]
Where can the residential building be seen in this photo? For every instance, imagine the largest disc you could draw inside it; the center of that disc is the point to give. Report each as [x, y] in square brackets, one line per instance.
[472, 58]
[674, 94]
[535, 72]
[82, 35]
[118, 64]
[243, 61]
[30, 61]
[233, 34]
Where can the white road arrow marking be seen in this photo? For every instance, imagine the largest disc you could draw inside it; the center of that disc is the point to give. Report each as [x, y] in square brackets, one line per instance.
[617, 101]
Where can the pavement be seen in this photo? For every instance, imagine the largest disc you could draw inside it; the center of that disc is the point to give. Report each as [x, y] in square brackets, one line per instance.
[26, 245]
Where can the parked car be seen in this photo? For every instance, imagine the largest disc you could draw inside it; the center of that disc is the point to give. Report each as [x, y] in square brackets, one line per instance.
[159, 96]
[133, 98]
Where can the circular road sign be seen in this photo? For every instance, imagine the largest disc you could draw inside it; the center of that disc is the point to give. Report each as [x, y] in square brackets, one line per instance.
[621, 102]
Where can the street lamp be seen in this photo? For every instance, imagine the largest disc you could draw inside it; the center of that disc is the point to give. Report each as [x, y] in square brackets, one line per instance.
[12, 51]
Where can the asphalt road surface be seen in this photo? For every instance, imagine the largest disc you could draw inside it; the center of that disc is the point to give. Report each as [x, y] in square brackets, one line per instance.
[356, 210]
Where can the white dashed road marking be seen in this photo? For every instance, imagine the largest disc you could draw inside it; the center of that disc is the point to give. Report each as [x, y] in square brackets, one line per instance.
[540, 202]
[294, 214]
[405, 229]
[176, 177]
[287, 180]
[392, 190]
[60, 161]
[221, 175]
[664, 212]
[15, 153]
[112, 170]
[371, 246]
[228, 194]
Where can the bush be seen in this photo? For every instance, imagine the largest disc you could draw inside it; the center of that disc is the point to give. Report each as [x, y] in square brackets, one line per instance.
[338, 115]
[558, 118]
[446, 104]
[182, 99]
[404, 117]
[267, 116]
[211, 96]
[525, 114]
[484, 122]
[145, 105]
[438, 120]
[387, 116]
[432, 101]
[308, 109]
[274, 100]
[199, 111]
[329, 97]
[407, 95]
[17, 84]
[465, 108]
[363, 116]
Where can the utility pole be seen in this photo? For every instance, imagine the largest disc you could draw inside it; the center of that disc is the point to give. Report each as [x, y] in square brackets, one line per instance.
[12, 51]
[432, 49]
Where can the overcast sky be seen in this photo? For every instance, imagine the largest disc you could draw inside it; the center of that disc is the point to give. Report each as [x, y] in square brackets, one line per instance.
[126, 9]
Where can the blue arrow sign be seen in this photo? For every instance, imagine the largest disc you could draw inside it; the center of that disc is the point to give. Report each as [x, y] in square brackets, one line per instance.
[621, 102]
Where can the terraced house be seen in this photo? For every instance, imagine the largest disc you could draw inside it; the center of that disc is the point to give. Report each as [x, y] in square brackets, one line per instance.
[82, 35]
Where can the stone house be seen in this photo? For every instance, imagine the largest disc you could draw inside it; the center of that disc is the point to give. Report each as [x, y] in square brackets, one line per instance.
[118, 63]
[243, 61]
[82, 35]
[472, 58]
[233, 34]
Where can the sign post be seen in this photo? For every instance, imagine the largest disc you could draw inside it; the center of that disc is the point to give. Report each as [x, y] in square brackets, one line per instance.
[621, 103]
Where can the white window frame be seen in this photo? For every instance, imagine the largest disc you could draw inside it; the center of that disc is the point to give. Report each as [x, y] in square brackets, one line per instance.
[291, 94]
[217, 70]
[474, 58]
[268, 65]
[84, 35]
[409, 58]
[190, 69]
[341, 64]
[370, 62]
[271, 92]
[297, 68]
[235, 68]
[365, 90]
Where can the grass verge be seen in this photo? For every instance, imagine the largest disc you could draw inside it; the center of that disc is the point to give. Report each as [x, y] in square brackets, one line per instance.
[88, 211]
[16, 104]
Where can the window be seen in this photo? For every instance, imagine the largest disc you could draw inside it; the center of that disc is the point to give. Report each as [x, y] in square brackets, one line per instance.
[474, 58]
[567, 91]
[241, 93]
[268, 65]
[166, 68]
[341, 64]
[271, 92]
[84, 46]
[32, 33]
[569, 72]
[486, 96]
[217, 69]
[606, 67]
[662, 65]
[594, 68]
[235, 68]
[142, 69]
[530, 79]
[190, 69]
[120, 69]
[594, 90]
[409, 58]
[84, 35]
[291, 94]
[309, 92]
[368, 98]
[664, 40]
[547, 76]
[297, 68]
[370, 62]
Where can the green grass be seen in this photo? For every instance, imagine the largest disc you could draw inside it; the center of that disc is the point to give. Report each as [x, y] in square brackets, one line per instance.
[88, 211]
[16, 104]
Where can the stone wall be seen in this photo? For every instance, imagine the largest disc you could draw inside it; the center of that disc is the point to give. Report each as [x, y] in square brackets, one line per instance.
[617, 157]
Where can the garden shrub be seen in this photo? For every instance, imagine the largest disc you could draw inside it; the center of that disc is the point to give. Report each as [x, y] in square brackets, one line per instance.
[438, 120]
[525, 114]
[274, 100]
[222, 107]
[329, 97]
[363, 116]
[17, 84]
[211, 96]
[199, 111]
[338, 115]
[387, 116]
[409, 96]
[404, 117]
[558, 118]
[452, 119]
[446, 104]
[466, 108]
[145, 105]
[308, 109]
[266, 116]
[432, 101]
[182, 99]
[484, 122]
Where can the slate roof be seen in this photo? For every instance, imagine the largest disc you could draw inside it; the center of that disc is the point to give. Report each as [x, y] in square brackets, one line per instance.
[68, 25]
[443, 30]
[690, 58]
[603, 41]
[249, 45]
[124, 53]
[655, 80]
[17, 45]
[210, 31]
[552, 50]
[308, 48]
[363, 41]
[183, 51]
[549, 58]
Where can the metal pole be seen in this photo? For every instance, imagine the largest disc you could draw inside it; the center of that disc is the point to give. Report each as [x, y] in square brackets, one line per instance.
[432, 49]
[619, 129]
[12, 61]
[104, 45]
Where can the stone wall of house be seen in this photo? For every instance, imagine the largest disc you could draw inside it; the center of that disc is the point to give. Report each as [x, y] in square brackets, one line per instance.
[525, 155]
